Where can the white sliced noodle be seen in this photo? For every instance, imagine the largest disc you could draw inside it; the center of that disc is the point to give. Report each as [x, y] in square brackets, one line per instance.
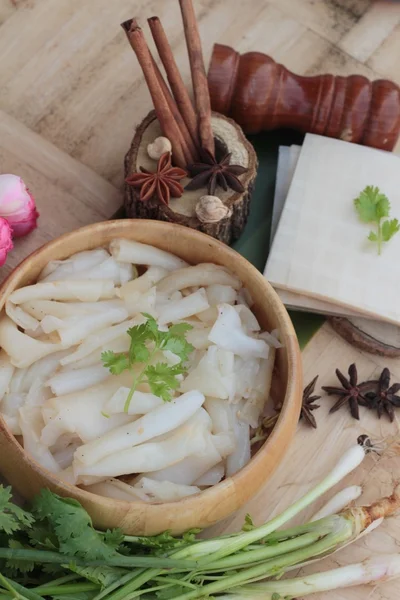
[271, 338]
[186, 307]
[108, 269]
[225, 443]
[200, 275]
[119, 490]
[258, 394]
[244, 297]
[208, 316]
[80, 379]
[149, 456]
[44, 308]
[162, 419]
[141, 402]
[206, 377]
[22, 349]
[242, 453]
[6, 373]
[227, 333]
[65, 456]
[86, 291]
[246, 371]
[138, 302]
[143, 283]
[119, 344]
[198, 337]
[42, 369]
[74, 330]
[247, 318]
[221, 294]
[188, 470]
[10, 405]
[221, 415]
[99, 340]
[165, 491]
[81, 412]
[143, 254]
[212, 476]
[17, 383]
[31, 423]
[81, 261]
[20, 317]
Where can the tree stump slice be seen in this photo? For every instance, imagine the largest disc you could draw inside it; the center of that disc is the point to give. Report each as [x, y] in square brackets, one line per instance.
[229, 138]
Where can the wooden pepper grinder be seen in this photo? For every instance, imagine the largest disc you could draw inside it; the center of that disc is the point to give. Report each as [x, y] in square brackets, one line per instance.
[260, 94]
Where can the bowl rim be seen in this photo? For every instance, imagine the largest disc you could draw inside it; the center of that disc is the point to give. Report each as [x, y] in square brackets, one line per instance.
[291, 347]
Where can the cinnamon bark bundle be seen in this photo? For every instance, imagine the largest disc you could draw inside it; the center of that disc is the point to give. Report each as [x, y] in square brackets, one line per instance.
[187, 129]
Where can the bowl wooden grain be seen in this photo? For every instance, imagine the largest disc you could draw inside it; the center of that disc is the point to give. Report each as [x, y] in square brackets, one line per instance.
[209, 506]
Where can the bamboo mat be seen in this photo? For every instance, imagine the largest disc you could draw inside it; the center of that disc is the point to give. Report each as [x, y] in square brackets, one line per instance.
[71, 95]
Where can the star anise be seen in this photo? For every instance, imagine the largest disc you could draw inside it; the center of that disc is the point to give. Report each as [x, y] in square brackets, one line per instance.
[210, 172]
[308, 403]
[384, 399]
[351, 392]
[163, 183]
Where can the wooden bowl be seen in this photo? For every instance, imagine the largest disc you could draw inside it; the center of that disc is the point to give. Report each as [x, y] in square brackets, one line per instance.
[209, 506]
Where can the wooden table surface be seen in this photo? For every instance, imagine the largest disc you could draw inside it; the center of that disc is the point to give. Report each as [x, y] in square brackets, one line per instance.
[71, 94]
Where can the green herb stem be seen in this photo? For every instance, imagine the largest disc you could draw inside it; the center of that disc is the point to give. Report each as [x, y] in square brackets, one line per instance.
[134, 585]
[274, 566]
[61, 590]
[17, 590]
[45, 556]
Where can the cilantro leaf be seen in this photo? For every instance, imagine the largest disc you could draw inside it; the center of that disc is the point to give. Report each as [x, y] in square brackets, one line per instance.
[389, 228]
[248, 524]
[138, 351]
[18, 566]
[145, 340]
[373, 206]
[117, 363]
[102, 575]
[162, 379]
[179, 346]
[12, 517]
[73, 527]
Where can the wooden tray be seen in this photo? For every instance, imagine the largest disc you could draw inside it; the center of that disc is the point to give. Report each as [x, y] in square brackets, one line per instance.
[57, 180]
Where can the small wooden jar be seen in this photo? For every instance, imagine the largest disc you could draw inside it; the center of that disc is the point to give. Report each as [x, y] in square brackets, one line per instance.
[186, 210]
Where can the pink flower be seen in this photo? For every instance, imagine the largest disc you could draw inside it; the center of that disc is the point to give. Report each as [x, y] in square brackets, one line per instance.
[17, 205]
[5, 240]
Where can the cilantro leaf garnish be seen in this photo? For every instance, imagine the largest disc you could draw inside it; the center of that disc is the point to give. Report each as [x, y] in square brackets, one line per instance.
[12, 517]
[73, 527]
[145, 341]
[372, 206]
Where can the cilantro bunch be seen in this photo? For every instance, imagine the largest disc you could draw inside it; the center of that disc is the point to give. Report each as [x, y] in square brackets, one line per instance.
[374, 207]
[145, 341]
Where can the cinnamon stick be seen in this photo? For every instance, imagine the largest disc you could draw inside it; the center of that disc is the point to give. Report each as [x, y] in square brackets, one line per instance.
[174, 77]
[188, 146]
[166, 119]
[199, 77]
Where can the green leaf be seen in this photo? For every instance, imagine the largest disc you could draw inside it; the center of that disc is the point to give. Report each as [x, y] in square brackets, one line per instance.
[366, 204]
[12, 517]
[73, 527]
[116, 363]
[162, 379]
[372, 237]
[21, 566]
[389, 229]
[382, 207]
[140, 335]
[275, 596]
[103, 575]
[179, 346]
[248, 523]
